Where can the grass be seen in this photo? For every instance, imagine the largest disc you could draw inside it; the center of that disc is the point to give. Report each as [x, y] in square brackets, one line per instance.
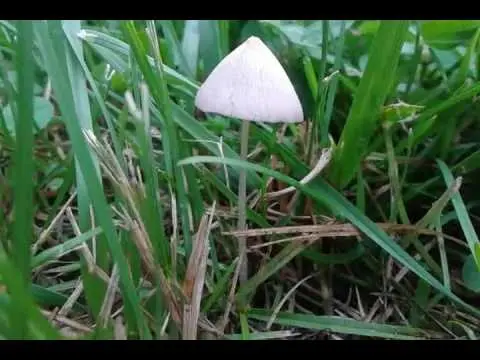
[119, 201]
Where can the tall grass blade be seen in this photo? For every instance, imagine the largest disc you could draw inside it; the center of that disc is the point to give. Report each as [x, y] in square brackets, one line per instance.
[370, 96]
[24, 168]
[174, 45]
[190, 44]
[95, 288]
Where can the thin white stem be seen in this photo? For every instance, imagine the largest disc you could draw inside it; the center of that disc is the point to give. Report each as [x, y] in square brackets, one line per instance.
[242, 202]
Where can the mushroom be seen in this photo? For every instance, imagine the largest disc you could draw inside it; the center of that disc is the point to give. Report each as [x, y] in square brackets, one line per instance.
[249, 84]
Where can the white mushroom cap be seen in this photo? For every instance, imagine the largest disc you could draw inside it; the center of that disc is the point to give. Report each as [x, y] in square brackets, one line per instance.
[250, 84]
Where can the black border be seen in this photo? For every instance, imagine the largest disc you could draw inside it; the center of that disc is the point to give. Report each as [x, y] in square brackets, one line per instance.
[245, 9]
[267, 349]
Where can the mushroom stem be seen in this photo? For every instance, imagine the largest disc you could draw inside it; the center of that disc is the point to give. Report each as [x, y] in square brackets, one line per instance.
[242, 202]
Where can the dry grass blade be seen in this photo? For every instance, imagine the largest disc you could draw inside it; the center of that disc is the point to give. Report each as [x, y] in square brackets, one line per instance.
[120, 332]
[142, 242]
[195, 277]
[85, 251]
[290, 239]
[330, 230]
[114, 172]
[284, 299]
[65, 309]
[63, 320]
[270, 268]
[440, 204]
[321, 164]
[109, 299]
[268, 335]
[144, 247]
[44, 235]
[443, 255]
[231, 294]
[402, 272]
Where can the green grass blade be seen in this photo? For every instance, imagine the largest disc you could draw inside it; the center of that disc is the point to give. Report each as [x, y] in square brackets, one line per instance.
[121, 50]
[174, 45]
[270, 268]
[462, 213]
[76, 46]
[468, 164]
[441, 33]
[210, 50]
[24, 168]
[468, 65]
[332, 259]
[265, 335]
[48, 297]
[190, 44]
[333, 84]
[157, 87]
[37, 326]
[370, 96]
[341, 325]
[64, 248]
[210, 142]
[398, 206]
[172, 147]
[220, 288]
[425, 121]
[152, 210]
[95, 287]
[321, 96]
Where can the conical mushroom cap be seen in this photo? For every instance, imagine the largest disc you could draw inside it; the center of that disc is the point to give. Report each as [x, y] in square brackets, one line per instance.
[250, 84]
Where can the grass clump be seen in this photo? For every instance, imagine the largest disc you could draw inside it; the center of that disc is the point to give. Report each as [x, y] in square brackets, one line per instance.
[119, 200]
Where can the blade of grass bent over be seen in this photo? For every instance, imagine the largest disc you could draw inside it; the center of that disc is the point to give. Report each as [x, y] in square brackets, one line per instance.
[323, 193]
[77, 47]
